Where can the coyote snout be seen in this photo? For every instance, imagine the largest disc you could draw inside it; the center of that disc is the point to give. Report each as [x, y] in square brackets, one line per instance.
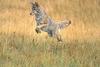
[46, 24]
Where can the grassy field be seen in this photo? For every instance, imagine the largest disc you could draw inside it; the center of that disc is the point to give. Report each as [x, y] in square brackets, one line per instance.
[21, 46]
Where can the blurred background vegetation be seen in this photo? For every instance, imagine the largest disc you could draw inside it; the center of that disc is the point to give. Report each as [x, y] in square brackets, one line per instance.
[20, 46]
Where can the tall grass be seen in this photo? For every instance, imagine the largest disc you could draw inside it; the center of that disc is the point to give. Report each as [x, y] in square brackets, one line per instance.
[20, 46]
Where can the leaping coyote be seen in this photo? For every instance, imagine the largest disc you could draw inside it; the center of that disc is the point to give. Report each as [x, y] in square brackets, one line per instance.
[46, 24]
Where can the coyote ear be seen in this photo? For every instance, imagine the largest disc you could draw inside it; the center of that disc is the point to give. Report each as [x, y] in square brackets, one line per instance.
[36, 4]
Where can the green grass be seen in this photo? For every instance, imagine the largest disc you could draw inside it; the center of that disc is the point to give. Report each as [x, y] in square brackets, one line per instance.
[21, 51]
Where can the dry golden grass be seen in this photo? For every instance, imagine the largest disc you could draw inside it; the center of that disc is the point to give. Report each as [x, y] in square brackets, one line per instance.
[20, 46]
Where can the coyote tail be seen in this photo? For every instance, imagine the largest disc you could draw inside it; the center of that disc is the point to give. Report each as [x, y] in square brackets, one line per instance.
[64, 24]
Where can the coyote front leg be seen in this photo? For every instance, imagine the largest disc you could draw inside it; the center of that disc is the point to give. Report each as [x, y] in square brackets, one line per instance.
[40, 27]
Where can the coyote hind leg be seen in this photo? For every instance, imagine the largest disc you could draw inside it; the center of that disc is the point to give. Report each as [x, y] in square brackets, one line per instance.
[58, 36]
[55, 35]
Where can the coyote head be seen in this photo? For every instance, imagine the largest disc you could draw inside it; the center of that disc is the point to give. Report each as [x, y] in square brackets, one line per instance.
[35, 8]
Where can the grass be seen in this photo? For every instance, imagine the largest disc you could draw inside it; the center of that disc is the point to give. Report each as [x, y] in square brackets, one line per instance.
[20, 46]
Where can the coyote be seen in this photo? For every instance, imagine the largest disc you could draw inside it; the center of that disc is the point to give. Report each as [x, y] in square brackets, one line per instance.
[46, 24]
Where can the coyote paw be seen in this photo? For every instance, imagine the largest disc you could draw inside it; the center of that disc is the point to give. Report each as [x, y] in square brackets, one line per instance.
[37, 30]
[60, 40]
[69, 22]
